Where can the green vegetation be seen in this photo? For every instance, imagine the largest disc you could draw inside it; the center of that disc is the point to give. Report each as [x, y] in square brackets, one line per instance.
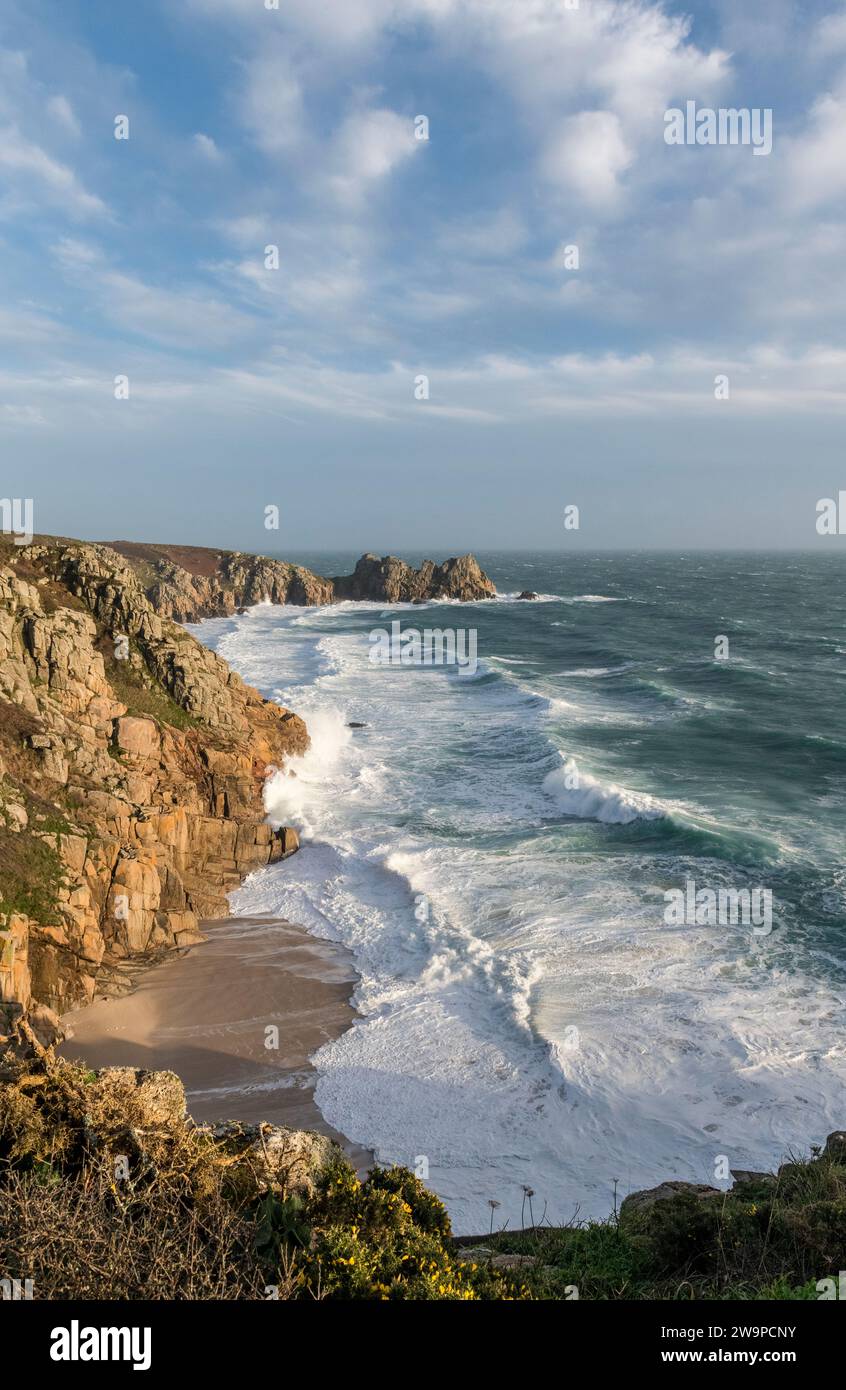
[767, 1239]
[142, 694]
[106, 1193]
[30, 875]
[205, 1214]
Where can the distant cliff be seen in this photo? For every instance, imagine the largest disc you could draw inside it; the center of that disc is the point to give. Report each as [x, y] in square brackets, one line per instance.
[188, 583]
[132, 762]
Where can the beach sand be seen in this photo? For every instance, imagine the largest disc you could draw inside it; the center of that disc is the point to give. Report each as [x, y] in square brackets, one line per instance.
[204, 1014]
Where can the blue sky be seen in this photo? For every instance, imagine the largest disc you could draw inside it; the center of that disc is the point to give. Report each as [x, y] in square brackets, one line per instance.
[398, 257]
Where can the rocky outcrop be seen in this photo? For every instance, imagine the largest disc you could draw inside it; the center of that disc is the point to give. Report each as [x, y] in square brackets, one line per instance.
[752, 1184]
[389, 580]
[189, 583]
[132, 763]
[52, 1108]
[638, 1204]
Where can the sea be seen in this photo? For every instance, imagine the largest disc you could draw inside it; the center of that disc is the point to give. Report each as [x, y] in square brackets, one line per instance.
[497, 847]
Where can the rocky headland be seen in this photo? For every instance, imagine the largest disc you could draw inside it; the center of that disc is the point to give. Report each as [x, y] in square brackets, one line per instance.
[132, 759]
[132, 763]
[188, 583]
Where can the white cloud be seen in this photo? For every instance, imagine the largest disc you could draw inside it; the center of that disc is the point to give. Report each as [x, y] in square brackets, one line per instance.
[60, 108]
[183, 317]
[368, 146]
[26, 415]
[26, 325]
[272, 102]
[814, 167]
[498, 234]
[621, 59]
[205, 146]
[830, 36]
[586, 156]
[20, 157]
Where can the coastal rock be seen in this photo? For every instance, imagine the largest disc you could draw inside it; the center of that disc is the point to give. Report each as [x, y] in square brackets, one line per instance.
[481, 1255]
[137, 737]
[143, 1099]
[288, 840]
[744, 1177]
[188, 583]
[389, 580]
[133, 765]
[528, 594]
[278, 1157]
[639, 1204]
[835, 1147]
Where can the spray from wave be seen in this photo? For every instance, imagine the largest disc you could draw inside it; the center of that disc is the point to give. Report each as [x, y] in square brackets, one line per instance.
[579, 794]
[288, 793]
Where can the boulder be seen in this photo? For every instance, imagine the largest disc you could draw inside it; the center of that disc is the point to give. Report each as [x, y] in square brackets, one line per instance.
[290, 1159]
[482, 1255]
[637, 1204]
[528, 594]
[288, 841]
[123, 1096]
[745, 1176]
[137, 737]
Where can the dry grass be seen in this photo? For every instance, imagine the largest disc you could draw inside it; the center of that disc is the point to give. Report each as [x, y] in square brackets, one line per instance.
[82, 1238]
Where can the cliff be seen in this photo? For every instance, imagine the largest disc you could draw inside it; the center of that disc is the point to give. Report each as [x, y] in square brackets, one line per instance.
[132, 759]
[132, 762]
[188, 583]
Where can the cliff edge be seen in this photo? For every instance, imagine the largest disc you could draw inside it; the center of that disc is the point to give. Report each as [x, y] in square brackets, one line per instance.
[132, 762]
[188, 583]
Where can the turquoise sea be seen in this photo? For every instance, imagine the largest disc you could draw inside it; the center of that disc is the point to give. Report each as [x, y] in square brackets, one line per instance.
[527, 1015]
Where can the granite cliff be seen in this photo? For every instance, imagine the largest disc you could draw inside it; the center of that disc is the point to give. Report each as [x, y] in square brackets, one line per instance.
[132, 762]
[188, 583]
[132, 759]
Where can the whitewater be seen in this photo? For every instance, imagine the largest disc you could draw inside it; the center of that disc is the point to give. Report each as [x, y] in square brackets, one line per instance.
[494, 852]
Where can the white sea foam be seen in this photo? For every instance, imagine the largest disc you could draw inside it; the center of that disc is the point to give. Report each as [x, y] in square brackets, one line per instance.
[579, 794]
[450, 800]
[590, 598]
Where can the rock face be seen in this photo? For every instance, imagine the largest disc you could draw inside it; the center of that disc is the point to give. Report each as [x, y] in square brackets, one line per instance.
[390, 580]
[61, 1109]
[188, 583]
[132, 763]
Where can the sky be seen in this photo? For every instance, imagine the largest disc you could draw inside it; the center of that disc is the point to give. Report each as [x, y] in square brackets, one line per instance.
[161, 378]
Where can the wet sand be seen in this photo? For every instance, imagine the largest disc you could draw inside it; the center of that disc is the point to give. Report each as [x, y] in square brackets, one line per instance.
[205, 1014]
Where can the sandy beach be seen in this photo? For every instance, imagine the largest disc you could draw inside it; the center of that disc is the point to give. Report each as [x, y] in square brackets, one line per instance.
[206, 1014]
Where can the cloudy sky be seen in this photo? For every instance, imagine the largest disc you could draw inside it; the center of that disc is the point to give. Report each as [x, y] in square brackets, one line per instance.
[402, 257]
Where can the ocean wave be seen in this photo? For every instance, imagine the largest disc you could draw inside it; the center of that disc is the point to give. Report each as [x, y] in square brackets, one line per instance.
[578, 794]
[590, 598]
[455, 795]
[584, 672]
[515, 598]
